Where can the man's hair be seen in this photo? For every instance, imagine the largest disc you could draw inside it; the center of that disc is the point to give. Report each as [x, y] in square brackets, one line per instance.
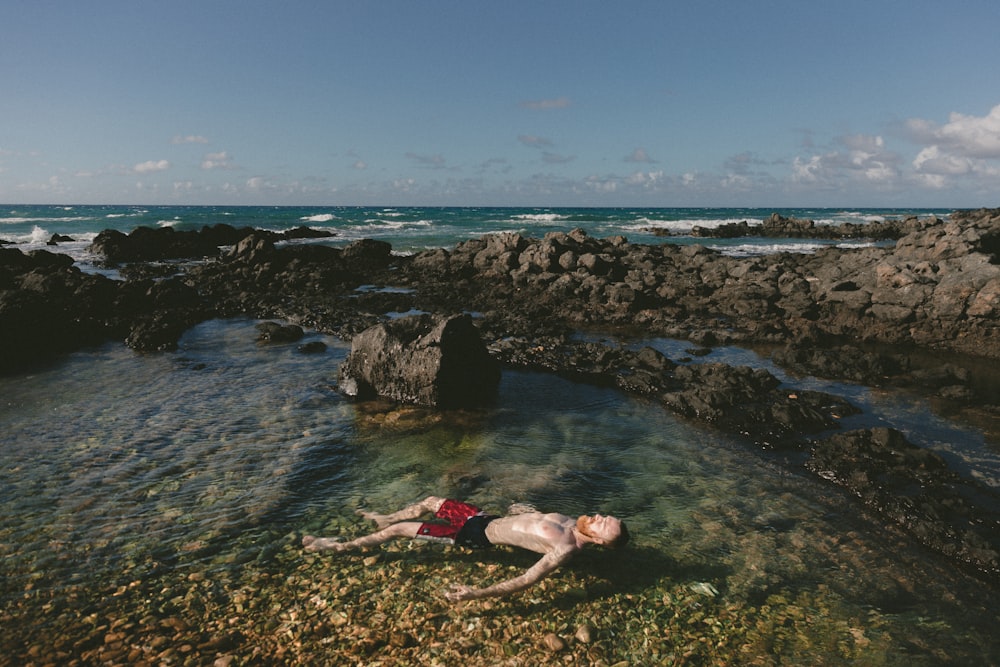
[622, 539]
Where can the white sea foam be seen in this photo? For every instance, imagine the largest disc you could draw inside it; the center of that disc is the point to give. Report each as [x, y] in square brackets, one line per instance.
[319, 217]
[539, 217]
[39, 235]
[685, 226]
[382, 225]
[18, 221]
[754, 249]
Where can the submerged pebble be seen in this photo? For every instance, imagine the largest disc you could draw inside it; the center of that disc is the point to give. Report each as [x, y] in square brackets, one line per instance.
[553, 642]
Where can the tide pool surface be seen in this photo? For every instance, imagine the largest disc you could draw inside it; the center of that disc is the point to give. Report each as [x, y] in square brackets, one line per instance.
[151, 508]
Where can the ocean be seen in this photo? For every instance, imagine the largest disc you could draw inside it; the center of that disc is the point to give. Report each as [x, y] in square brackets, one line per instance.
[152, 503]
[412, 229]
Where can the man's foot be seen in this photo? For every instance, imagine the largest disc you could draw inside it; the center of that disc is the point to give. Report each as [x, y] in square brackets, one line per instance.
[322, 543]
[381, 520]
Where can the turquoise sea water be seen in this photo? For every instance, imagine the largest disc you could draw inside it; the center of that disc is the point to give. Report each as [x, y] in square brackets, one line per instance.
[117, 468]
[411, 229]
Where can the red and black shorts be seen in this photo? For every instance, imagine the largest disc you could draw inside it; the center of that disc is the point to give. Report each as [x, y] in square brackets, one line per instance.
[458, 523]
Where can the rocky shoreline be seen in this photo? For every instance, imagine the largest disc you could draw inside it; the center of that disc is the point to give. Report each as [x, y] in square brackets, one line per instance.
[865, 315]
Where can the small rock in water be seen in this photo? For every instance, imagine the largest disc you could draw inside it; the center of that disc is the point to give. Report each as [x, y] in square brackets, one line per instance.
[401, 640]
[585, 633]
[553, 642]
[704, 588]
[272, 332]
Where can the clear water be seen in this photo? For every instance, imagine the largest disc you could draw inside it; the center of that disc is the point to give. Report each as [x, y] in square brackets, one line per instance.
[117, 467]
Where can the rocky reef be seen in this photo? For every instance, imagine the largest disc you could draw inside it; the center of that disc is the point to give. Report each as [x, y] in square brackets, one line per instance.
[860, 314]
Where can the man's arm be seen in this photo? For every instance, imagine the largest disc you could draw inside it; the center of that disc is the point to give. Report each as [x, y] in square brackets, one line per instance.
[545, 566]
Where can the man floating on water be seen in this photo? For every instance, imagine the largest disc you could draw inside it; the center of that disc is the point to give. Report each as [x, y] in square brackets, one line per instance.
[556, 536]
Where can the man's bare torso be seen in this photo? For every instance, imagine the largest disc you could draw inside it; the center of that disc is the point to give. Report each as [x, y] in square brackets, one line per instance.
[534, 531]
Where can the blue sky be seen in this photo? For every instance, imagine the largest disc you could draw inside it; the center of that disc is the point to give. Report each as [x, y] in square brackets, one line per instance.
[698, 103]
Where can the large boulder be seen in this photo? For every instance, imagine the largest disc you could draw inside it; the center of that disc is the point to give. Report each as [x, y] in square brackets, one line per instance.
[425, 360]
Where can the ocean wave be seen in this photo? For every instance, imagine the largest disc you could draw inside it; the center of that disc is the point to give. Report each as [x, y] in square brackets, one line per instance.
[21, 221]
[539, 217]
[687, 225]
[377, 224]
[319, 217]
[755, 249]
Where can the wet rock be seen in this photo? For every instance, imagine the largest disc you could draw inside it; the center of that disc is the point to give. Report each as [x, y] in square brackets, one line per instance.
[425, 360]
[312, 347]
[273, 332]
[843, 362]
[585, 633]
[914, 488]
[303, 232]
[148, 243]
[48, 307]
[401, 639]
[553, 642]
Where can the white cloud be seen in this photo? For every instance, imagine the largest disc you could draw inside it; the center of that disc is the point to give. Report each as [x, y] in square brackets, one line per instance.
[964, 147]
[639, 155]
[533, 141]
[555, 158]
[360, 165]
[807, 170]
[436, 161]
[150, 166]
[216, 161]
[189, 139]
[645, 179]
[967, 136]
[547, 105]
[864, 159]
[932, 160]
[603, 185]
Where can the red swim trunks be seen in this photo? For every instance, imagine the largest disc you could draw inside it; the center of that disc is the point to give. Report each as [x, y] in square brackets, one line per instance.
[457, 514]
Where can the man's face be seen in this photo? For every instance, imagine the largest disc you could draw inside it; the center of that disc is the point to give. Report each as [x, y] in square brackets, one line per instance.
[604, 528]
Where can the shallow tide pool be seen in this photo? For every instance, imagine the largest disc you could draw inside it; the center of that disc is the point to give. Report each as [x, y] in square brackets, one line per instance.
[152, 506]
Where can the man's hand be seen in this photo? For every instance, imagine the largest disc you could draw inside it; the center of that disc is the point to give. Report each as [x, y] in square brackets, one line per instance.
[459, 592]
[322, 543]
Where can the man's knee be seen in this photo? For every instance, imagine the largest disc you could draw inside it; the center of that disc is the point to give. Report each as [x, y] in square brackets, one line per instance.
[433, 503]
[408, 529]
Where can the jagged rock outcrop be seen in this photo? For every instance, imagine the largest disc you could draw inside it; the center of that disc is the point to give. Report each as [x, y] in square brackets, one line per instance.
[424, 360]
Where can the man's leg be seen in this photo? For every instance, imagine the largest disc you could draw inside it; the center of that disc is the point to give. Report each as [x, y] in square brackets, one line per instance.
[429, 505]
[405, 529]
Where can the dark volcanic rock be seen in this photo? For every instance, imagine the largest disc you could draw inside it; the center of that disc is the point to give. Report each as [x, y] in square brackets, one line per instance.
[48, 307]
[913, 487]
[428, 361]
[148, 243]
[272, 332]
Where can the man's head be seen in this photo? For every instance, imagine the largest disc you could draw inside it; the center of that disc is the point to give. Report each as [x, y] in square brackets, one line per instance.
[604, 530]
